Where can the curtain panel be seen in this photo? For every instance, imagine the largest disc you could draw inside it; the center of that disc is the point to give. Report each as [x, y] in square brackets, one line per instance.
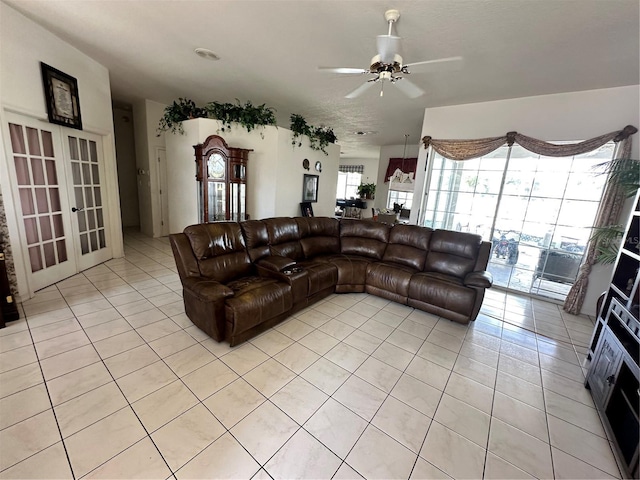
[610, 204]
[406, 165]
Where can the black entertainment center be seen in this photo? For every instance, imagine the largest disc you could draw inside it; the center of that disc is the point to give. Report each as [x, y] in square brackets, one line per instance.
[614, 374]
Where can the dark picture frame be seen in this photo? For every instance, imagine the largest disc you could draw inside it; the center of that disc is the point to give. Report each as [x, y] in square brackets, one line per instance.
[310, 188]
[307, 209]
[61, 96]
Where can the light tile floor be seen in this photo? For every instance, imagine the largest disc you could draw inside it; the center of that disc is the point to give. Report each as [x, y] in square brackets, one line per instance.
[107, 378]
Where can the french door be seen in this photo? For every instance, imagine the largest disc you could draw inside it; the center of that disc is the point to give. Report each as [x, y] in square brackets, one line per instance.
[84, 168]
[56, 175]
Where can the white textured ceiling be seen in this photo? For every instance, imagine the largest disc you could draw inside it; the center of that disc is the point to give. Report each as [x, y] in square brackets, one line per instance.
[270, 49]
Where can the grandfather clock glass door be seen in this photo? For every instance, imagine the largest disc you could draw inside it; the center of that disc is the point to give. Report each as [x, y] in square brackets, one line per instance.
[216, 188]
[238, 195]
[221, 172]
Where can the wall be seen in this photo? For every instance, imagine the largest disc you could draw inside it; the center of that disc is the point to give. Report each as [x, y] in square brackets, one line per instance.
[274, 172]
[369, 175]
[24, 45]
[387, 152]
[146, 115]
[290, 174]
[126, 160]
[558, 117]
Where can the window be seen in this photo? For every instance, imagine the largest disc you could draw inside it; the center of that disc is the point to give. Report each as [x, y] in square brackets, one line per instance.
[349, 178]
[402, 198]
[537, 211]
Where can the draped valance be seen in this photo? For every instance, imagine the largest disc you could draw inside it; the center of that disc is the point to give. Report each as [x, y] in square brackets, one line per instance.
[467, 149]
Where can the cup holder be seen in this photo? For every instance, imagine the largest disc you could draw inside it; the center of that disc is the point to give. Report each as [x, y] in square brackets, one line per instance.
[292, 270]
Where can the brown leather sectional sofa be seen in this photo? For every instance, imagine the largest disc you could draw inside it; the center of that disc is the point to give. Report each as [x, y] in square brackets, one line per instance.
[240, 279]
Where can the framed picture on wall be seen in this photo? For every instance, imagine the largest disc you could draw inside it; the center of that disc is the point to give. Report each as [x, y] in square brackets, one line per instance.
[310, 188]
[61, 96]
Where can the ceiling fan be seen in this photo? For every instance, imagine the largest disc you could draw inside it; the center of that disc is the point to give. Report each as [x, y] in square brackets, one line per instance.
[387, 64]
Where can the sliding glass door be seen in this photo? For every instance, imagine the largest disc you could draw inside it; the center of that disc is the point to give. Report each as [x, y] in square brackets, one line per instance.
[537, 212]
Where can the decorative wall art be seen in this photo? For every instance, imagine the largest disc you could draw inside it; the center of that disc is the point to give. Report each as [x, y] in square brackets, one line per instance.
[310, 188]
[307, 209]
[61, 95]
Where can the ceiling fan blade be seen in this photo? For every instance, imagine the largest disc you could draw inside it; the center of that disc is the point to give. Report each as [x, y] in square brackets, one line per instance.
[410, 89]
[360, 90]
[343, 70]
[388, 47]
[440, 64]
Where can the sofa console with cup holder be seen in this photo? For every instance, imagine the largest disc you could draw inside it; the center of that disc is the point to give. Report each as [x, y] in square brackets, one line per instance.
[239, 279]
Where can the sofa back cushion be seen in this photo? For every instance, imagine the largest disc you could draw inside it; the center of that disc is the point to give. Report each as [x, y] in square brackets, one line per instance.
[256, 239]
[408, 245]
[284, 237]
[452, 253]
[319, 235]
[220, 250]
[363, 237]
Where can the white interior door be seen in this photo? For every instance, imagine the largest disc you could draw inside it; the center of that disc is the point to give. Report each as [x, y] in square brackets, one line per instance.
[57, 175]
[36, 165]
[85, 171]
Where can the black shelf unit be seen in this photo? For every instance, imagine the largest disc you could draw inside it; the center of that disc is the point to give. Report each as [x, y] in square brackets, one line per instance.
[614, 373]
[625, 281]
[614, 381]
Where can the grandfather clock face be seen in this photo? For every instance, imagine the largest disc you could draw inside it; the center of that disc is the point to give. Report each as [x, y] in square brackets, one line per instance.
[216, 166]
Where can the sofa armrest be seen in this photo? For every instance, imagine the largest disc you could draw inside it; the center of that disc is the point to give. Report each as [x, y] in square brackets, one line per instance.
[275, 263]
[204, 304]
[478, 279]
[298, 280]
[207, 290]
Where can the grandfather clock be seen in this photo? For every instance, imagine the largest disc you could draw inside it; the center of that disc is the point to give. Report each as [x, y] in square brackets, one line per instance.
[221, 173]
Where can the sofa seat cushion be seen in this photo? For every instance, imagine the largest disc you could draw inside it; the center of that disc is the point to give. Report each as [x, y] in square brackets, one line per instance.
[390, 277]
[256, 301]
[442, 291]
[444, 278]
[246, 284]
[324, 258]
[321, 275]
[207, 290]
[352, 269]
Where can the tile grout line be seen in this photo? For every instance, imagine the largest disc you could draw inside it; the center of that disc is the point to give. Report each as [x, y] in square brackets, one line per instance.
[297, 375]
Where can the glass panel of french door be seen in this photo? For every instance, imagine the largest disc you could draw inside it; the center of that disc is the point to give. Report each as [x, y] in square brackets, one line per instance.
[544, 220]
[42, 208]
[85, 173]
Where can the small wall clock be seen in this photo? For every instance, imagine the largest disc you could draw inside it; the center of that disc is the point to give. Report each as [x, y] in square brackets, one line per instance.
[305, 164]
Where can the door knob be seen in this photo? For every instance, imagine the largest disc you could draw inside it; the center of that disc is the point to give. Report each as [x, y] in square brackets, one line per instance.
[74, 209]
